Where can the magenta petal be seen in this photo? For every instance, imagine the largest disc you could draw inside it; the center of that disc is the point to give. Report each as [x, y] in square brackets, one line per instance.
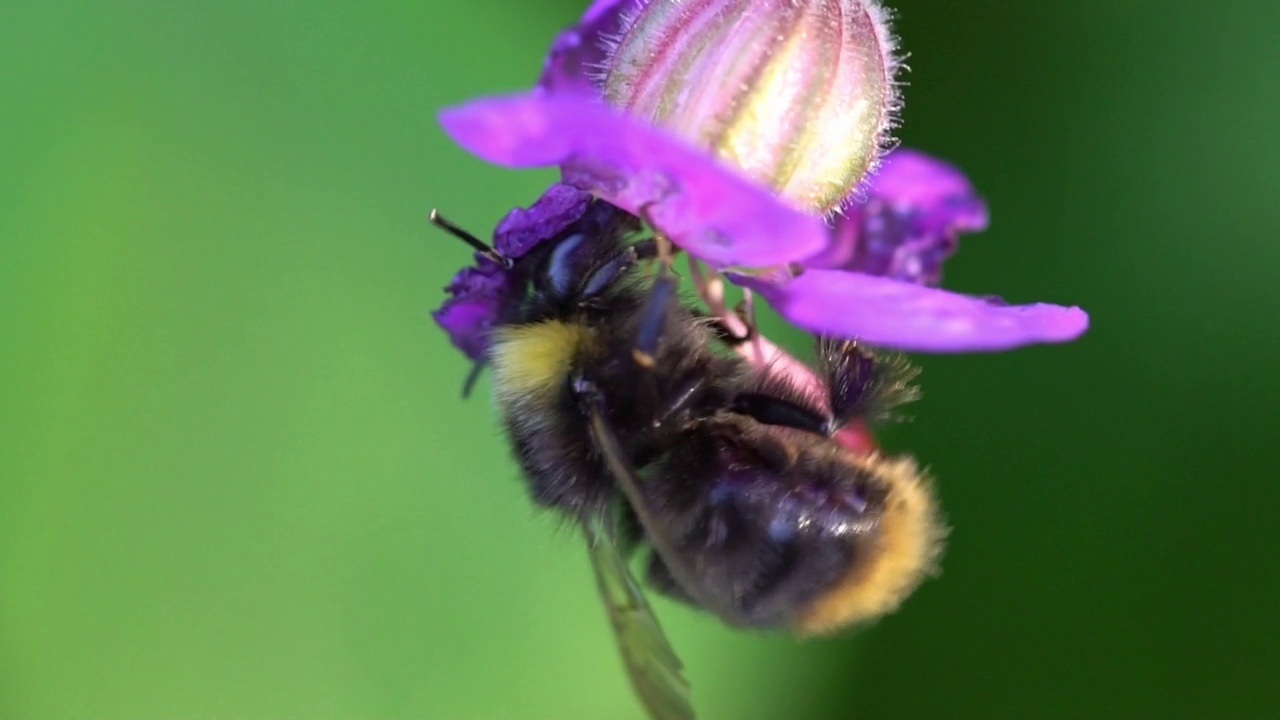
[902, 315]
[909, 178]
[906, 221]
[701, 205]
[579, 53]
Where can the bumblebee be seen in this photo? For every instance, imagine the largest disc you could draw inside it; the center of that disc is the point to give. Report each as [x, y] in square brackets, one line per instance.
[629, 413]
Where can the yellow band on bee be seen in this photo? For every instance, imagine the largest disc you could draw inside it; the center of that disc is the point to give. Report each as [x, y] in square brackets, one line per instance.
[534, 359]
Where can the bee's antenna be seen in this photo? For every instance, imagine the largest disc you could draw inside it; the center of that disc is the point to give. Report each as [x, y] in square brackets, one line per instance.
[476, 243]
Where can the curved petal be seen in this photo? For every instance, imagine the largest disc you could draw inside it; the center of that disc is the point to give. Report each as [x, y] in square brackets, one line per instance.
[896, 314]
[579, 54]
[910, 178]
[702, 206]
[522, 229]
[476, 296]
[907, 220]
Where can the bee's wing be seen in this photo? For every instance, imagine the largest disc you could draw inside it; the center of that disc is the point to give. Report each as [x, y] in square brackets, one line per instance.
[651, 662]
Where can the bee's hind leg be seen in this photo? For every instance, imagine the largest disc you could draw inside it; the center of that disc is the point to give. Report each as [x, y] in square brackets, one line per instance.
[773, 410]
[653, 317]
[863, 382]
[660, 579]
[654, 312]
[591, 400]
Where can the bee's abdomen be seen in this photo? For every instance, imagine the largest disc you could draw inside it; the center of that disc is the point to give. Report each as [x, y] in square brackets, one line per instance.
[765, 580]
[906, 544]
[812, 540]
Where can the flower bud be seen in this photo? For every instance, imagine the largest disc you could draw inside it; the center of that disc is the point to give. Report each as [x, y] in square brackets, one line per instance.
[798, 94]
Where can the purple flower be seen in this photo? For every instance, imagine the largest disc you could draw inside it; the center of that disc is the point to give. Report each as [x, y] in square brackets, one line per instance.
[521, 230]
[910, 219]
[632, 107]
[477, 294]
[702, 206]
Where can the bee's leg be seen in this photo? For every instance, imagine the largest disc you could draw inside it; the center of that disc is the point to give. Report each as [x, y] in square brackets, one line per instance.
[726, 334]
[628, 480]
[746, 312]
[859, 382]
[600, 277]
[659, 578]
[680, 398]
[646, 249]
[848, 369]
[773, 410]
[654, 312]
[864, 383]
[652, 317]
[470, 383]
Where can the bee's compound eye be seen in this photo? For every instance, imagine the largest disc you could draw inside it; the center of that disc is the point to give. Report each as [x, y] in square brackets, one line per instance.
[561, 268]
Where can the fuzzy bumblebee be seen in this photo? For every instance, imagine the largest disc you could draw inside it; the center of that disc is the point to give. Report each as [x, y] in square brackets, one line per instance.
[629, 412]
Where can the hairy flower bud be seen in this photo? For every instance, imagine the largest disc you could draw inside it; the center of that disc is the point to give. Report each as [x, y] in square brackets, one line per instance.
[798, 94]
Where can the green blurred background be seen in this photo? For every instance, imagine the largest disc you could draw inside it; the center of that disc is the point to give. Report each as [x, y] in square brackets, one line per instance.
[236, 479]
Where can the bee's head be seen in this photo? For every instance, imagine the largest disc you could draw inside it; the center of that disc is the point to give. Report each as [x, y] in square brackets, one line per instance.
[583, 260]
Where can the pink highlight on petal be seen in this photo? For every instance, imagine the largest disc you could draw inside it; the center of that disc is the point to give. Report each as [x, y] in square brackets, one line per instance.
[702, 206]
